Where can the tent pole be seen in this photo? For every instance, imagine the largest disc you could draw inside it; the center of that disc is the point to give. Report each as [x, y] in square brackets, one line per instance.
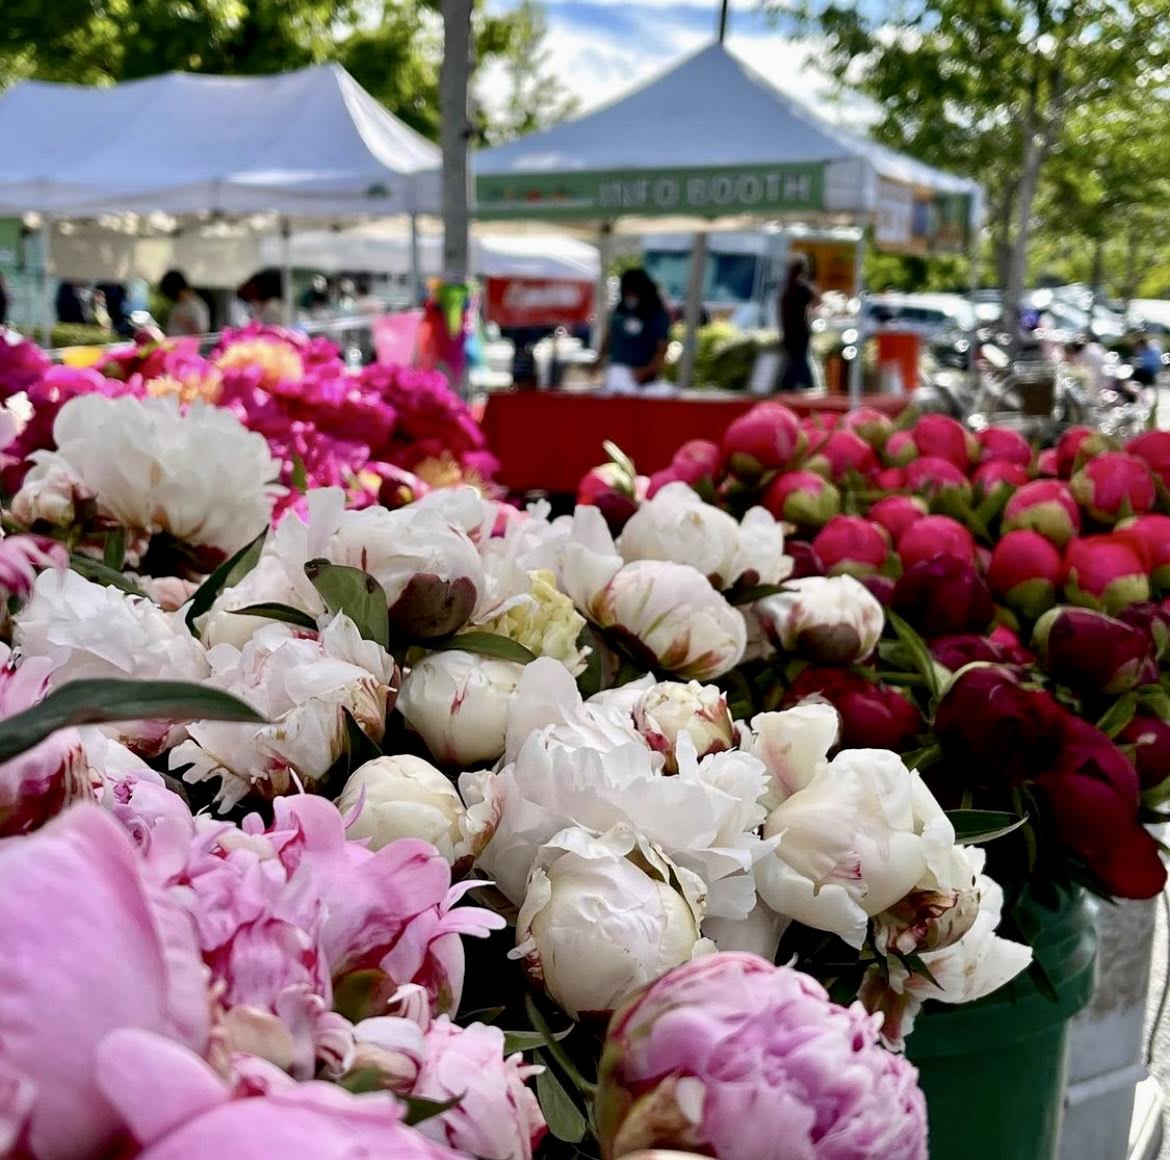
[723, 21]
[601, 293]
[686, 371]
[46, 282]
[856, 367]
[415, 281]
[286, 279]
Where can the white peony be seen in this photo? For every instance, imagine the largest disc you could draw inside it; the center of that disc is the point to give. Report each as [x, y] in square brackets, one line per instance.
[458, 703]
[542, 619]
[200, 476]
[403, 796]
[792, 744]
[50, 493]
[828, 619]
[303, 685]
[602, 916]
[851, 843]
[676, 525]
[671, 708]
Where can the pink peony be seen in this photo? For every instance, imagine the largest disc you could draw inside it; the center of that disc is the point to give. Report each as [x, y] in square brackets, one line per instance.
[941, 437]
[1093, 653]
[896, 513]
[1114, 486]
[765, 438]
[901, 449]
[1002, 444]
[696, 460]
[733, 1057]
[1151, 536]
[944, 595]
[999, 472]
[1153, 448]
[851, 545]
[935, 536]
[802, 498]
[847, 454]
[929, 476]
[1045, 506]
[1105, 572]
[1150, 738]
[871, 424]
[1047, 465]
[22, 363]
[890, 479]
[1068, 450]
[1025, 572]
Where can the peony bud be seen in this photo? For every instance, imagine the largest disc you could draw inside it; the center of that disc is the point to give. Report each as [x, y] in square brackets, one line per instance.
[1044, 506]
[767, 438]
[1092, 652]
[944, 595]
[805, 561]
[1153, 449]
[685, 1059]
[1025, 572]
[1104, 572]
[896, 513]
[851, 545]
[935, 536]
[603, 916]
[1151, 535]
[697, 460]
[1068, 448]
[403, 796]
[1113, 487]
[890, 479]
[458, 703]
[941, 437]
[608, 489]
[847, 453]
[930, 476]
[1047, 465]
[999, 473]
[833, 620]
[874, 427]
[901, 449]
[658, 480]
[881, 586]
[1150, 738]
[873, 716]
[1002, 444]
[1153, 620]
[802, 498]
[962, 649]
[671, 708]
[993, 730]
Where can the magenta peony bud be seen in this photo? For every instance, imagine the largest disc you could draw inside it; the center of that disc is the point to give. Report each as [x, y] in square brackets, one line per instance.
[1007, 639]
[896, 513]
[969, 648]
[851, 545]
[994, 730]
[873, 716]
[1151, 536]
[690, 1054]
[1003, 445]
[890, 479]
[805, 561]
[1150, 738]
[1154, 620]
[802, 498]
[1044, 506]
[1104, 572]
[846, 452]
[1092, 652]
[930, 476]
[874, 427]
[1047, 465]
[941, 437]
[880, 586]
[935, 536]
[815, 434]
[697, 459]
[1025, 572]
[768, 437]
[901, 449]
[944, 595]
[1068, 448]
[1153, 449]
[603, 488]
[1114, 486]
[1091, 793]
[659, 480]
[999, 473]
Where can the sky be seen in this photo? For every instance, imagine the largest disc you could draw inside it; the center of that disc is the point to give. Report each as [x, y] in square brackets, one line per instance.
[602, 48]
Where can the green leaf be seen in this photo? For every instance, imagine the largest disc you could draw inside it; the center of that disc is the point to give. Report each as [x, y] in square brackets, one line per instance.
[756, 592]
[362, 1080]
[101, 573]
[915, 963]
[565, 1120]
[95, 701]
[1118, 715]
[230, 572]
[973, 826]
[419, 1109]
[488, 644]
[618, 456]
[591, 678]
[276, 611]
[530, 1040]
[114, 552]
[915, 646]
[922, 758]
[554, 1048]
[355, 593]
[300, 479]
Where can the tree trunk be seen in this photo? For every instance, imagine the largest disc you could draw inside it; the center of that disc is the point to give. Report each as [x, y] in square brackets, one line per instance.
[1097, 274]
[1018, 264]
[454, 136]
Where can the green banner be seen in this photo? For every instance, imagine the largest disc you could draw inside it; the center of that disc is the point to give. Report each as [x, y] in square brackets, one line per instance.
[709, 192]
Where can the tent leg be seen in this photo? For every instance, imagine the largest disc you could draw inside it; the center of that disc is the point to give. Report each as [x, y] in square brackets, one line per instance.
[46, 282]
[415, 278]
[286, 279]
[686, 370]
[601, 293]
[857, 367]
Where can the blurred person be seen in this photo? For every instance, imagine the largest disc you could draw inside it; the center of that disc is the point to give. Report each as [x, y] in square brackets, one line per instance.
[634, 348]
[70, 308]
[268, 302]
[1147, 360]
[315, 299]
[114, 294]
[189, 313]
[798, 300]
[1090, 356]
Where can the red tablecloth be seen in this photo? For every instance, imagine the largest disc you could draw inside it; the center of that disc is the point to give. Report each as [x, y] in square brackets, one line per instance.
[547, 440]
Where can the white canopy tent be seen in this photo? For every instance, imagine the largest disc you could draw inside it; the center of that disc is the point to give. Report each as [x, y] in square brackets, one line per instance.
[712, 139]
[310, 145]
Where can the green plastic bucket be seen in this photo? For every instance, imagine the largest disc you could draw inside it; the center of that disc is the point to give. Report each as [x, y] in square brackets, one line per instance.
[994, 1071]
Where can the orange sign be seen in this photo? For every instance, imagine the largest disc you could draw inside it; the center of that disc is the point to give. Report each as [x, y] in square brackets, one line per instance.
[831, 264]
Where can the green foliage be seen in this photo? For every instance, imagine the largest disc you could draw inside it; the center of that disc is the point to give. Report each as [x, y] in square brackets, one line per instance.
[725, 355]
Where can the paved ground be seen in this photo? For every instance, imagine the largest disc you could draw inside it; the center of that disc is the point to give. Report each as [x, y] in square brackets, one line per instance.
[1160, 1062]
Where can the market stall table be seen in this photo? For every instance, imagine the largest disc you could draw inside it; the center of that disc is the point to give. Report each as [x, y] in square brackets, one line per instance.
[547, 440]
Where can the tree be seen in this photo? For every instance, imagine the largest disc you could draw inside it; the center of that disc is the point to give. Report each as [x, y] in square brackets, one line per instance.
[988, 88]
[536, 97]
